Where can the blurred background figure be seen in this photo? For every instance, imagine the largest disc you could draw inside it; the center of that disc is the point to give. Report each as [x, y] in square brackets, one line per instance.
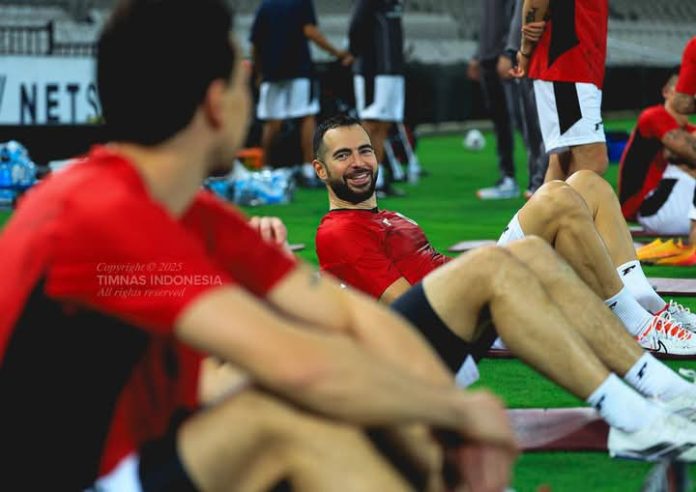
[376, 41]
[564, 49]
[284, 73]
[685, 97]
[523, 105]
[497, 93]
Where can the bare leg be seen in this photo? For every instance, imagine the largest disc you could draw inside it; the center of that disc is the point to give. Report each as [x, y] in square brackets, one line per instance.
[590, 157]
[560, 216]
[253, 441]
[378, 131]
[586, 313]
[307, 126]
[270, 131]
[526, 318]
[606, 213]
[558, 167]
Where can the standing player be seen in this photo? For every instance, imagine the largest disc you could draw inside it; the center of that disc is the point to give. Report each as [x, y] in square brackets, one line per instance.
[498, 93]
[376, 41]
[537, 159]
[284, 69]
[684, 101]
[567, 63]
[657, 182]
[120, 273]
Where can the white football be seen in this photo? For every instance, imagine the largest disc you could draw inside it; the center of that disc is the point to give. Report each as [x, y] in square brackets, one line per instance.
[474, 140]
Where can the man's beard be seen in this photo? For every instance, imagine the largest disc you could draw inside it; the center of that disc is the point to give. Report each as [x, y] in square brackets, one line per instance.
[345, 193]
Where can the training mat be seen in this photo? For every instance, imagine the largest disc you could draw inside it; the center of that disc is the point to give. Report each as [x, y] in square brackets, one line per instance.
[555, 429]
[506, 354]
[673, 286]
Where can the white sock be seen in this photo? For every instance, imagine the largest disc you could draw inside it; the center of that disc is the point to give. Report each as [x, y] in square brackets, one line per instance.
[654, 379]
[621, 406]
[632, 276]
[634, 316]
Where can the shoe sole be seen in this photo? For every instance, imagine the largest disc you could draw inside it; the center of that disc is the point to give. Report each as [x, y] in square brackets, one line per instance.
[658, 452]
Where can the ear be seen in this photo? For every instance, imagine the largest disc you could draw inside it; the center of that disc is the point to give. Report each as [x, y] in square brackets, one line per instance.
[320, 170]
[214, 103]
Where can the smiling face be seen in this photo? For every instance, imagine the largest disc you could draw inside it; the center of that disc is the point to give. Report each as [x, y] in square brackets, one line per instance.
[347, 163]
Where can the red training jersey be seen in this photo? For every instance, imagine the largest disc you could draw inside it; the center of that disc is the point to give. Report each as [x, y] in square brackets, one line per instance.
[687, 73]
[95, 274]
[643, 162]
[371, 249]
[573, 47]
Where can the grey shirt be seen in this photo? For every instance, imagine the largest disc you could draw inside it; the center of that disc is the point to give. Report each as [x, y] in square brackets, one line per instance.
[495, 24]
[514, 40]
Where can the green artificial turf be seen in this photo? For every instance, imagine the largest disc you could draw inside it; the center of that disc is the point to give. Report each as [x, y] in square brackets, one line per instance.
[445, 205]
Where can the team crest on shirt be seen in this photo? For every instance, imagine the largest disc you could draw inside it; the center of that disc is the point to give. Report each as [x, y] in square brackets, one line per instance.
[407, 219]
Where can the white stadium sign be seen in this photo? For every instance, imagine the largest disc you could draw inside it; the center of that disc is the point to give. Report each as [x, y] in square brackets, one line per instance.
[52, 90]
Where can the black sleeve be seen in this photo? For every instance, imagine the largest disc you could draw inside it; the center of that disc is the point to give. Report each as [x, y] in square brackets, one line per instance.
[359, 33]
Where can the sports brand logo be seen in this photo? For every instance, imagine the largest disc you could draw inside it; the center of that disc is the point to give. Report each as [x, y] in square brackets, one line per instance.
[627, 270]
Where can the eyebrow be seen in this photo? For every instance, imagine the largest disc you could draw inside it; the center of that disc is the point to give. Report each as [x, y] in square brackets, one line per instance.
[346, 149]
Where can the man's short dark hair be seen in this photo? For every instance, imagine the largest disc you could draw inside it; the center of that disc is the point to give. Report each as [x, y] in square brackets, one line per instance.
[156, 60]
[337, 121]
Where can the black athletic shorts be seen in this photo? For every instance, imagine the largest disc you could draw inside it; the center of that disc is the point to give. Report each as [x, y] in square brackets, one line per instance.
[414, 306]
[160, 465]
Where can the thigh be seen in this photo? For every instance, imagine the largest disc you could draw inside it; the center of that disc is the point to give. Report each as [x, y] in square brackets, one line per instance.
[460, 291]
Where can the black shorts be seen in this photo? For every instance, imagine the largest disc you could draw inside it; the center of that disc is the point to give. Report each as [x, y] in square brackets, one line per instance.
[414, 306]
[161, 468]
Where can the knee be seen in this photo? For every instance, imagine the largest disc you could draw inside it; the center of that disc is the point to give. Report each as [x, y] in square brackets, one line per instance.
[589, 182]
[492, 267]
[532, 248]
[556, 201]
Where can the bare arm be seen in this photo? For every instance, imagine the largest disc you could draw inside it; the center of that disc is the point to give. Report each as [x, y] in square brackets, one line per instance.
[315, 35]
[684, 103]
[534, 15]
[326, 372]
[321, 302]
[682, 145]
[533, 11]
